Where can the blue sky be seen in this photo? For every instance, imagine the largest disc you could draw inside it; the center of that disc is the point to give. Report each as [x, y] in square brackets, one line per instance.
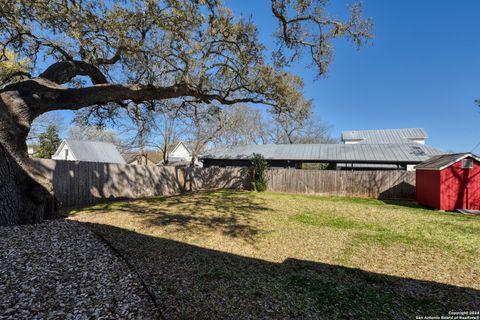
[421, 70]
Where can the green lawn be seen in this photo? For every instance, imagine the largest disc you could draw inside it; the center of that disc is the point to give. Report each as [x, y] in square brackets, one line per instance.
[241, 255]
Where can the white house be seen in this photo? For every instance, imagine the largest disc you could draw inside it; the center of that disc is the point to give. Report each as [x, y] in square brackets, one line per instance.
[181, 154]
[386, 136]
[93, 151]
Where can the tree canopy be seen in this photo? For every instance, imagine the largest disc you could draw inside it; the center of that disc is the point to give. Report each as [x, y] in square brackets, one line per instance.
[106, 54]
[49, 141]
[195, 49]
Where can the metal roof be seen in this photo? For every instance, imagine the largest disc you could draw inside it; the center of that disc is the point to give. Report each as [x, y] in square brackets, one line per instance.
[444, 160]
[339, 153]
[93, 151]
[367, 166]
[385, 135]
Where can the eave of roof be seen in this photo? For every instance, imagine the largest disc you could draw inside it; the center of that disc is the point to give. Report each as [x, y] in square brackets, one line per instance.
[440, 162]
[93, 151]
[411, 153]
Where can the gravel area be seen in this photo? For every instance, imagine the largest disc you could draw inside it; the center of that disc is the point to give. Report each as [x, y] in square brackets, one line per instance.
[61, 270]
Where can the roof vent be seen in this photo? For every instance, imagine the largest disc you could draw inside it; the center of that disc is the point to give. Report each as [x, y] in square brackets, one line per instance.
[467, 163]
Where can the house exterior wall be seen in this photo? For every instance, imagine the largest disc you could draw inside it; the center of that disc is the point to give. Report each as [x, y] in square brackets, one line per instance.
[428, 188]
[62, 154]
[180, 154]
[410, 167]
[460, 188]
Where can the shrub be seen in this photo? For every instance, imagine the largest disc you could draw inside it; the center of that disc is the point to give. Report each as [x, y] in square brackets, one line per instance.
[257, 172]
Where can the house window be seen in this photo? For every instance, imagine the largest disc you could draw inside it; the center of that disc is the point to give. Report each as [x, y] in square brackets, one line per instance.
[467, 164]
[66, 154]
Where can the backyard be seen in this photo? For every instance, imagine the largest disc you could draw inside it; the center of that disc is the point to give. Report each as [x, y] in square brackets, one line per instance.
[217, 255]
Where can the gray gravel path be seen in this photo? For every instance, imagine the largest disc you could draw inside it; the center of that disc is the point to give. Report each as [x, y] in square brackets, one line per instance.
[61, 270]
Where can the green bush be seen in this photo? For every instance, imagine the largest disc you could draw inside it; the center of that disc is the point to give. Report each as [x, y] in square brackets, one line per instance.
[257, 172]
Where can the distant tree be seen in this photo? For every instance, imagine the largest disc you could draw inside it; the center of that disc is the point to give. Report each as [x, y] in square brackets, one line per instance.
[204, 124]
[142, 124]
[200, 48]
[49, 141]
[84, 132]
[41, 124]
[169, 126]
[314, 130]
[298, 128]
[243, 125]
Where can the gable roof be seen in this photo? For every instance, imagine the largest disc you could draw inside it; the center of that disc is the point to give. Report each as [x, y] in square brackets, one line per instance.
[384, 136]
[443, 161]
[340, 153]
[93, 151]
[185, 145]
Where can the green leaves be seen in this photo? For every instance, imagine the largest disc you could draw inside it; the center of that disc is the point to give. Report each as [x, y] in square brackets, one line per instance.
[12, 68]
[257, 172]
[49, 142]
[201, 46]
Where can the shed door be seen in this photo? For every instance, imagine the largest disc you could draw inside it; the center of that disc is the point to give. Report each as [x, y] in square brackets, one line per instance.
[460, 187]
[473, 188]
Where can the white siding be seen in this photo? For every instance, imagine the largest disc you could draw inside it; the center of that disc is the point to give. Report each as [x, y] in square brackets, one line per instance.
[64, 154]
[411, 167]
[180, 152]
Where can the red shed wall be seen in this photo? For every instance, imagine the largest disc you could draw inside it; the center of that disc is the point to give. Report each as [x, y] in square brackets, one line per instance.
[453, 191]
[428, 188]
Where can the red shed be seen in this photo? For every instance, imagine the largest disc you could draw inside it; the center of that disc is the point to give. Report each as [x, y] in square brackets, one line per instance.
[449, 182]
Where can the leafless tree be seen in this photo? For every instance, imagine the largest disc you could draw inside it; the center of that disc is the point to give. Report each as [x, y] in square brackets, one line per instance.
[195, 49]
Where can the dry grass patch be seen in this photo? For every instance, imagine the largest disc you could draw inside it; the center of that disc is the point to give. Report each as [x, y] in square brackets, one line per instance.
[249, 255]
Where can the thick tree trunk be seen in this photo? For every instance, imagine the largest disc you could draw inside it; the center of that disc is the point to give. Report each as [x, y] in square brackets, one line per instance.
[22, 199]
[25, 195]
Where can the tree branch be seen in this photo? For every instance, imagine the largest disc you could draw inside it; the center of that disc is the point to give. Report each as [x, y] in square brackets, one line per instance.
[112, 60]
[42, 95]
[64, 71]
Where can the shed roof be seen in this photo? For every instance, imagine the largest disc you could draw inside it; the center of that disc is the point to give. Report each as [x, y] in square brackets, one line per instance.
[442, 161]
[340, 153]
[93, 151]
[384, 136]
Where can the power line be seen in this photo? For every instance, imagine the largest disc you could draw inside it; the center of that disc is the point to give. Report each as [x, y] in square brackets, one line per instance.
[476, 146]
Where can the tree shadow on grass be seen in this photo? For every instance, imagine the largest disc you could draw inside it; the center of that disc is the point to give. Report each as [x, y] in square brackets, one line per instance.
[232, 214]
[191, 282]
[405, 203]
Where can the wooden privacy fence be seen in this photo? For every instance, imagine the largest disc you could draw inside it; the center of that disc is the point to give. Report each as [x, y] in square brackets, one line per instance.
[80, 183]
[393, 184]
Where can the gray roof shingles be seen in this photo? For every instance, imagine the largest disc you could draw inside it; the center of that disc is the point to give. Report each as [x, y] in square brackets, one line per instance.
[360, 153]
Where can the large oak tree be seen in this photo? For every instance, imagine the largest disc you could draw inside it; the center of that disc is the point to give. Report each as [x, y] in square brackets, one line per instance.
[191, 49]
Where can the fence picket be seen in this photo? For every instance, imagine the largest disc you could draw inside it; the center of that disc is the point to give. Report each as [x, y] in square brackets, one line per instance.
[82, 183]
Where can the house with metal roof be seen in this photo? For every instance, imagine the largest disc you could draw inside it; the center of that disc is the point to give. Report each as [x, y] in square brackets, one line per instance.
[385, 136]
[92, 151]
[345, 156]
